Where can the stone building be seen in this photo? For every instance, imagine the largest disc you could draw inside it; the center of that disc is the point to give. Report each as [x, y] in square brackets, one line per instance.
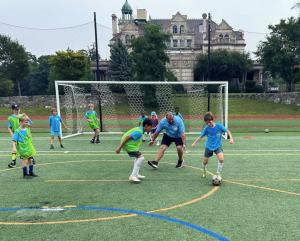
[189, 37]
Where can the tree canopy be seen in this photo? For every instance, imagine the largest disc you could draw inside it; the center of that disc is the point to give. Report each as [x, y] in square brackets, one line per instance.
[225, 65]
[280, 53]
[14, 62]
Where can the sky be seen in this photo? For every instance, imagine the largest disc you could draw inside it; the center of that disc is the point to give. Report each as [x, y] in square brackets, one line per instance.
[47, 26]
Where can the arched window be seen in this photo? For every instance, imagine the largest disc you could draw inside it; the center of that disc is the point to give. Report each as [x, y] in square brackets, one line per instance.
[226, 37]
[127, 39]
[221, 36]
[174, 29]
[181, 29]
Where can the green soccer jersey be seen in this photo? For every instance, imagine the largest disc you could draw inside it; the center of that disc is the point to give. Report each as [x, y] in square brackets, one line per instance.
[23, 139]
[134, 143]
[13, 122]
[92, 115]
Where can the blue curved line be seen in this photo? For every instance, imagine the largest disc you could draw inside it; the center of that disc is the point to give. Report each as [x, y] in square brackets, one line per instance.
[153, 215]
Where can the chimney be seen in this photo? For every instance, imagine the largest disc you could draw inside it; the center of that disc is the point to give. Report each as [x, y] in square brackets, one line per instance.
[114, 21]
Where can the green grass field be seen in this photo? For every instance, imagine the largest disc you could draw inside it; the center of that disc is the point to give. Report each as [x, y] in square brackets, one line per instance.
[83, 193]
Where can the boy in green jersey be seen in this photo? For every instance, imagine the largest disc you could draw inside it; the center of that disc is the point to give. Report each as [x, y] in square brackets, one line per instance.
[131, 142]
[91, 117]
[13, 124]
[22, 144]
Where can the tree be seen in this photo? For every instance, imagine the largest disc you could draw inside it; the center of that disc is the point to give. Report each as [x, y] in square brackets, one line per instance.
[68, 65]
[150, 59]
[38, 77]
[120, 64]
[280, 53]
[225, 66]
[14, 63]
[149, 54]
[6, 86]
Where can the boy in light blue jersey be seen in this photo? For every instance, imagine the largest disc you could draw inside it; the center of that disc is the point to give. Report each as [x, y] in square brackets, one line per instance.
[174, 132]
[214, 132]
[55, 122]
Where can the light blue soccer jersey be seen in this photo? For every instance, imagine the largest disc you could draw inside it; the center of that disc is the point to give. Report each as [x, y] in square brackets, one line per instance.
[54, 122]
[136, 135]
[214, 136]
[17, 138]
[175, 130]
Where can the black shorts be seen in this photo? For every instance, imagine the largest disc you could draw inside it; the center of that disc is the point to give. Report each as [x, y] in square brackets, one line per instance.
[209, 153]
[135, 154]
[167, 140]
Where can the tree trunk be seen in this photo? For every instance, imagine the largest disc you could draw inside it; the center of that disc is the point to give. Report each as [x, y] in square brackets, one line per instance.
[19, 88]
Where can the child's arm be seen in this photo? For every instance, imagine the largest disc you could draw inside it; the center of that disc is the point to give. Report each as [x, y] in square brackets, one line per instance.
[122, 144]
[10, 131]
[231, 141]
[196, 141]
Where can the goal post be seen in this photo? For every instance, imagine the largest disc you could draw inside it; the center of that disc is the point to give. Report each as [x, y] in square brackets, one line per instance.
[120, 103]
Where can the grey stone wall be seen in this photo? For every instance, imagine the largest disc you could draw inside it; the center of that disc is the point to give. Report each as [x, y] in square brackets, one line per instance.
[28, 101]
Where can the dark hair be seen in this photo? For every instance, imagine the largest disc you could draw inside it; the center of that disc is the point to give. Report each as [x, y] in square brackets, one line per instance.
[208, 116]
[147, 122]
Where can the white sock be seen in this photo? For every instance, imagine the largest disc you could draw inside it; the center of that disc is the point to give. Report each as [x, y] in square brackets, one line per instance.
[204, 166]
[137, 166]
[220, 167]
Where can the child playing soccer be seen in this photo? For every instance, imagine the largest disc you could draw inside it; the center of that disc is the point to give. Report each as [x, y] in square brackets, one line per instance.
[131, 142]
[55, 122]
[22, 144]
[141, 119]
[13, 124]
[154, 120]
[213, 131]
[91, 117]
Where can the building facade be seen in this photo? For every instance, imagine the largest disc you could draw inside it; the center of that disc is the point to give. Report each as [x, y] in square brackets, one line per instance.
[189, 37]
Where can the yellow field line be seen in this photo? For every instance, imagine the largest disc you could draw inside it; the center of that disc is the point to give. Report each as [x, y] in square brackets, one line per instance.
[263, 188]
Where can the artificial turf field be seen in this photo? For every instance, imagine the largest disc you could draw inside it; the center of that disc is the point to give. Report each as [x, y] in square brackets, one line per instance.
[83, 193]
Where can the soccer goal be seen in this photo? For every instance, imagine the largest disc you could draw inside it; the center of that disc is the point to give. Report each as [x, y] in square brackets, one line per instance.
[119, 104]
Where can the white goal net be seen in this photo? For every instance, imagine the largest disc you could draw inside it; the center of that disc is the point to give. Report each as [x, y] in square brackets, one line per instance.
[119, 104]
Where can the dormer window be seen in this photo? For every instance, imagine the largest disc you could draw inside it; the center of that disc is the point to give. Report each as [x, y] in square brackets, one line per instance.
[174, 29]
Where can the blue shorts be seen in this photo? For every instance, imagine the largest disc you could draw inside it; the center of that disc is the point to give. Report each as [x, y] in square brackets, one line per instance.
[55, 133]
[209, 153]
[167, 140]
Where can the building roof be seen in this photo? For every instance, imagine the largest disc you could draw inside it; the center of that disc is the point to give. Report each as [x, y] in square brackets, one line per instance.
[126, 9]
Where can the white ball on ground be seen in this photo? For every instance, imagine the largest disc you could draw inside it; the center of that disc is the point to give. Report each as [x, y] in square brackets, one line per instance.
[216, 180]
[267, 130]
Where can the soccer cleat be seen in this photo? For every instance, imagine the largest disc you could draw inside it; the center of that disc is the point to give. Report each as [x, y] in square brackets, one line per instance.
[62, 146]
[134, 179]
[51, 147]
[153, 164]
[204, 173]
[97, 141]
[92, 141]
[32, 174]
[179, 164]
[12, 164]
[141, 176]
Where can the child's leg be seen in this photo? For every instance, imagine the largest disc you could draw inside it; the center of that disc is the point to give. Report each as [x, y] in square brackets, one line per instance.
[51, 142]
[60, 141]
[13, 162]
[97, 133]
[220, 157]
[204, 165]
[25, 167]
[137, 165]
[31, 173]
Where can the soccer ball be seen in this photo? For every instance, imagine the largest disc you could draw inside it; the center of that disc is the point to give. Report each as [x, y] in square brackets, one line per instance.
[266, 130]
[216, 180]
